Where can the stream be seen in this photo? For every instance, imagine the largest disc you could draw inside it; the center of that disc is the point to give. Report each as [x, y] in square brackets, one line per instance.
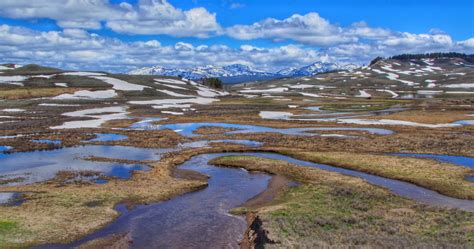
[200, 219]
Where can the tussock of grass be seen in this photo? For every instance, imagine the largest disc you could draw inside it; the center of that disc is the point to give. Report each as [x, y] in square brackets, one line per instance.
[332, 210]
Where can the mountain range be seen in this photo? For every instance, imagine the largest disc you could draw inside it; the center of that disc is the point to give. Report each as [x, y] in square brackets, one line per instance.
[239, 70]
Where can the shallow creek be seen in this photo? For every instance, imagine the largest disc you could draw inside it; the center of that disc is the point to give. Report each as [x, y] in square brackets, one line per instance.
[21, 168]
[201, 218]
[188, 129]
[194, 220]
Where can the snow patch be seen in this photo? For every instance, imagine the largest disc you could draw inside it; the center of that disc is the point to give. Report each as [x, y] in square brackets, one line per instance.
[462, 85]
[363, 94]
[111, 113]
[61, 84]
[120, 84]
[83, 74]
[85, 94]
[12, 110]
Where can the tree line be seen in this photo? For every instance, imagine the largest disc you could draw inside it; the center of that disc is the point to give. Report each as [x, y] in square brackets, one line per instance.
[406, 57]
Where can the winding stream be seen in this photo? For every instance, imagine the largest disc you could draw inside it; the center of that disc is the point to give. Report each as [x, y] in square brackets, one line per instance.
[188, 129]
[201, 218]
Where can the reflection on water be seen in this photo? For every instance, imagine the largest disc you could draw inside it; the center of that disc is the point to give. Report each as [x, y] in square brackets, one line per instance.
[200, 219]
[6, 198]
[39, 166]
[195, 220]
[4, 148]
[188, 129]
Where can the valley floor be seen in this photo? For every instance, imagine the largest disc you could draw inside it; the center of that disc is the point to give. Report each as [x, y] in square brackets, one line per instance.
[93, 185]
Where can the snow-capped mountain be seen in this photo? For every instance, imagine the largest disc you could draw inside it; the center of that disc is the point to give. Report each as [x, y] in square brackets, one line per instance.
[202, 71]
[240, 70]
[316, 68]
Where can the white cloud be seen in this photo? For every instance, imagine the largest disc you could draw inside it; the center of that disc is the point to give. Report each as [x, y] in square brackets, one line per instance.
[160, 17]
[310, 29]
[145, 17]
[75, 49]
[359, 39]
[469, 43]
[79, 49]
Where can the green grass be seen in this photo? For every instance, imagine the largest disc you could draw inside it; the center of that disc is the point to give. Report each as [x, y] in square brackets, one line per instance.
[7, 226]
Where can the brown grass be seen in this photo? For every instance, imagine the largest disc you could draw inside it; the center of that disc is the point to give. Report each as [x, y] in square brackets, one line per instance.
[428, 116]
[25, 93]
[333, 210]
[444, 178]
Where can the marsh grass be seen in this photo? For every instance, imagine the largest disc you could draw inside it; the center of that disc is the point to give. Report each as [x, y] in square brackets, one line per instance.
[444, 178]
[332, 210]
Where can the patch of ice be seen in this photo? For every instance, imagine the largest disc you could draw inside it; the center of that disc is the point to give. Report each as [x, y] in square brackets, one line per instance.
[85, 94]
[293, 106]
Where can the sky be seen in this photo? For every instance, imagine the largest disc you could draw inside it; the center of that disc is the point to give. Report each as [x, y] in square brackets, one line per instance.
[122, 35]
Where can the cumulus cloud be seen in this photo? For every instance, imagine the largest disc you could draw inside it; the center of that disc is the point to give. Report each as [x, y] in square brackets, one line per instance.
[160, 17]
[76, 49]
[308, 29]
[145, 17]
[359, 37]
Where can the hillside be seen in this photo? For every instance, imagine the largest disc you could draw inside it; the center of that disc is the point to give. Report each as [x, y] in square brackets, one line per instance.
[407, 78]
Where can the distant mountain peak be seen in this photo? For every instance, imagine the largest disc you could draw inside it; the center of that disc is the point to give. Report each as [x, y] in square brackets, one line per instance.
[235, 70]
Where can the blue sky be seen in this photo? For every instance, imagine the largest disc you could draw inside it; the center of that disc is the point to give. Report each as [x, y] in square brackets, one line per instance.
[270, 35]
